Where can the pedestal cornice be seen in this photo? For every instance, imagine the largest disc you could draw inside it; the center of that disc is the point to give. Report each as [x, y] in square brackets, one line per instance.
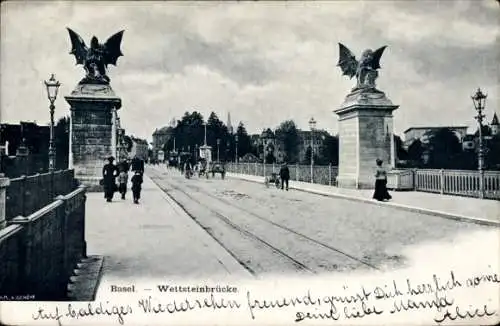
[93, 93]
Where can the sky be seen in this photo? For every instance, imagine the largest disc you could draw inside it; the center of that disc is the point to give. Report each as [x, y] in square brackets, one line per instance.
[264, 62]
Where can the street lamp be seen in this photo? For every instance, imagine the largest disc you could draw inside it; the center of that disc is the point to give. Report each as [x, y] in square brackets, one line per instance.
[52, 87]
[479, 100]
[236, 154]
[218, 144]
[312, 125]
[205, 124]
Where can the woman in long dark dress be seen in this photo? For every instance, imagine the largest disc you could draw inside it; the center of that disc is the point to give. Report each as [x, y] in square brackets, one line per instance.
[381, 192]
[109, 173]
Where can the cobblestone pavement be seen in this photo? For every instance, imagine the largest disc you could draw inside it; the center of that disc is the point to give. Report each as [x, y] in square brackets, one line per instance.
[270, 231]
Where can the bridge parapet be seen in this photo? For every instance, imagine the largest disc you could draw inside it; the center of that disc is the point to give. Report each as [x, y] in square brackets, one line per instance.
[40, 251]
[27, 194]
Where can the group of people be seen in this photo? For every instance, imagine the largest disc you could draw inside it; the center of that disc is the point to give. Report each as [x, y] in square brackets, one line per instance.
[111, 172]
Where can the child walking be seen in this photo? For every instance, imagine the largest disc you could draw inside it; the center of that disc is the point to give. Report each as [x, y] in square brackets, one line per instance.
[122, 181]
[136, 186]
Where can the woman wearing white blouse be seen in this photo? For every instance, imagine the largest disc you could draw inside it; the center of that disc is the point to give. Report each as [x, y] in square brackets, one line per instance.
[381, 192]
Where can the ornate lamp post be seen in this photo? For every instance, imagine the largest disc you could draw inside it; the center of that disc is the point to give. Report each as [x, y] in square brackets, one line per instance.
[218, 144]
[312, 125]
[52, 87]
[236, 154]
[479, 100]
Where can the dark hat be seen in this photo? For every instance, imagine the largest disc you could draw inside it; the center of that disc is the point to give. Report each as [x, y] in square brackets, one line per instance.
[379, 161]
[111, 158]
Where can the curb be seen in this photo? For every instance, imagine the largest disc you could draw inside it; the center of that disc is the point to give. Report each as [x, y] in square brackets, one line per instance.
[427, 211]
[85, 280]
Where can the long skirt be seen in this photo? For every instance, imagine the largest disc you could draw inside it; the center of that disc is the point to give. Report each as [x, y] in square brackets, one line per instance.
[109, 188]
[381, 192]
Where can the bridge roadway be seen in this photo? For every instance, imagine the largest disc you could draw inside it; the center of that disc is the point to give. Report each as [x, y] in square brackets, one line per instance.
[269, 231]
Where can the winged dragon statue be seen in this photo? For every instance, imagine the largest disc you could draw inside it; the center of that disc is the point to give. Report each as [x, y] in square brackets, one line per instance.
[365, 69]
[96, 58]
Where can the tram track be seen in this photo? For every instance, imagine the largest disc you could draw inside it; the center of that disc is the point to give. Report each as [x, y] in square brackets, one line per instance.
[280, 231]
[362, 261]
[297, 265]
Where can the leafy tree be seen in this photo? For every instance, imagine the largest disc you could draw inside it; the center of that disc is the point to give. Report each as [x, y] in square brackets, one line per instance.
[415, 151]
[189, 131]
[288, 134]
[61, 142]
[444, 148]
[329, 152]
[244, 141]
[493, 153]
[307, 156]
[401, 153]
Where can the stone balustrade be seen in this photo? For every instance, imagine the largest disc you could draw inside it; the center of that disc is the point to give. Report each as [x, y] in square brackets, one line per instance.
[40, 251]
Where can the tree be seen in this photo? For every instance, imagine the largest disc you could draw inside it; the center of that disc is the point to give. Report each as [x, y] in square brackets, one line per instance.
[493, 153]
[61, 142]
[189, 131]
[444, 148]
[307, 156]
[288, 134]
[401, 153]
[244, 141]
[415, 151]
[329, 153]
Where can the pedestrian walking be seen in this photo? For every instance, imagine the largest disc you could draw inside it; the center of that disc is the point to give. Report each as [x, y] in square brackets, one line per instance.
[381, 192]
[137, 164]
[109, 174]
[284, 176]
[136, 186]
[122, 181]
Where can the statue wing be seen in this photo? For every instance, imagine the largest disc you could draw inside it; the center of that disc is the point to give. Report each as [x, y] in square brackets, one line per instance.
[347, 61]
[112, 48]
[376, 57]
[78, 47]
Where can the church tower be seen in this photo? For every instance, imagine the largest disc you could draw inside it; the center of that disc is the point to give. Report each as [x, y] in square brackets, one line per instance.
[494, 125]
[228, 124]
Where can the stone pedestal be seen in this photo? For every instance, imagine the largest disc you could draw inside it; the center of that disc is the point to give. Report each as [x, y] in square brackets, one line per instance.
[92, 131]
[365, 134]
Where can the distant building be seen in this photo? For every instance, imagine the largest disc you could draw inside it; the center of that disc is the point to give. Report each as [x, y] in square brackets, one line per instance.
[471, 141]
[423, 133]
[161, 137]
[305, 142]
[494, 125]
[139, 148]
[36, 138]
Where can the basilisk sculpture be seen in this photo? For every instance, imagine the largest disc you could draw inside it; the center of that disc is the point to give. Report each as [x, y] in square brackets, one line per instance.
[96, 58]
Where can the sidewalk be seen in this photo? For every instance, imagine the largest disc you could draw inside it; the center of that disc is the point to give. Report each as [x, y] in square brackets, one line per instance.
[153, 240]
[466, 209]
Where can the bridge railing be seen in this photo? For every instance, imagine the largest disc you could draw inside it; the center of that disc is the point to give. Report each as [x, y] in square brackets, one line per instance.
[451, 182]
[40, 251]
[321, 174]
[27, 194]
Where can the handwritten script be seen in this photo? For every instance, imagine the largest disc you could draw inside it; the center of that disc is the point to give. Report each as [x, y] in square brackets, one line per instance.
[395, 297]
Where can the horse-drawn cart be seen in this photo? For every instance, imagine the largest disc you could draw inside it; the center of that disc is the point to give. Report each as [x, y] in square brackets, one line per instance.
[216, 167]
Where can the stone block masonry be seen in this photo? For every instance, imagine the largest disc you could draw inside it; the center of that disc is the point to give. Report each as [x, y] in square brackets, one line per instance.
[365, 134]
[93, 129]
